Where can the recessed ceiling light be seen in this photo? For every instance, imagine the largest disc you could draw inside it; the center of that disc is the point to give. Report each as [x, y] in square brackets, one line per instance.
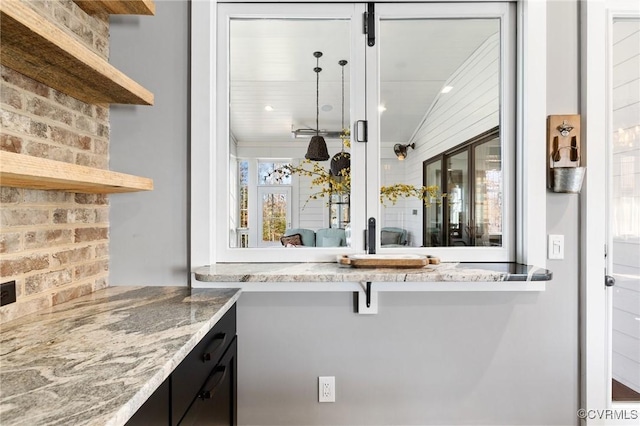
[268, 108]
[382, 108]
[446, 89]
[326, 108]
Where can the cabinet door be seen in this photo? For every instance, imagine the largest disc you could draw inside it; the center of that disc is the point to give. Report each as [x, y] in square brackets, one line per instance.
[189, 377]
[155, 411]
[216, 402]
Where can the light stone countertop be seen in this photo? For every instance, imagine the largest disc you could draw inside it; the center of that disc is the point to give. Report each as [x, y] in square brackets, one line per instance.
[96, 359]
[334, 272]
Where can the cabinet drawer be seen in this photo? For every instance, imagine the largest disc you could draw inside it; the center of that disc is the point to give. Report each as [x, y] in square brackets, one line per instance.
[216, 404]
[190, 375]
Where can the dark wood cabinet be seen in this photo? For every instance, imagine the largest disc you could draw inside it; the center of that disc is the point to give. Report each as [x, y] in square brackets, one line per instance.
[202, 389]
[155, 410]
[215, 404]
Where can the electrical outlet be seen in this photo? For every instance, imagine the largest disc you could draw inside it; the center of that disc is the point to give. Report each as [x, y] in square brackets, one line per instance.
[7, 293]
[326, 389]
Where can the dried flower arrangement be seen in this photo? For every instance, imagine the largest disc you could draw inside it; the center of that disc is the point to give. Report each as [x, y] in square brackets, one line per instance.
[330, 184]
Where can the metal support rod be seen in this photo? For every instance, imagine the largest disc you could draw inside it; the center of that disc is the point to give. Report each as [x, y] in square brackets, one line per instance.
[368, 294]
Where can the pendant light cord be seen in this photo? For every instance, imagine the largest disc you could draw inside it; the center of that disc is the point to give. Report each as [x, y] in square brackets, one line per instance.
[343, 99]
[317, 69]
[342, 63]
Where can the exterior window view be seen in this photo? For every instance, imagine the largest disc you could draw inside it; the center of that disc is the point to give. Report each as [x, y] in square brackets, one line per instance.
[320, 213]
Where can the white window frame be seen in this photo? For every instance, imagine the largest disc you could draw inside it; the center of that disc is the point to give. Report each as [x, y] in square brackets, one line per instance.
[507, 122]
[206, 188]
[223, 251]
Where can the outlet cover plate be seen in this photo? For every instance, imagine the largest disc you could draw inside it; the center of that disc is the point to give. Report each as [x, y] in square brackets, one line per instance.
[326, 389]
[7, 293]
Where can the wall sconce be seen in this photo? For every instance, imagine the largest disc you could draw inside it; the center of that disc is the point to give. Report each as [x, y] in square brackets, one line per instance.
[401, 150]
[563, 149]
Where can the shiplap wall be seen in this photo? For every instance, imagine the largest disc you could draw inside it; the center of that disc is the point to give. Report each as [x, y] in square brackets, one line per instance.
[312, 214]
[626, 203]
[400, 214]
[471, 108]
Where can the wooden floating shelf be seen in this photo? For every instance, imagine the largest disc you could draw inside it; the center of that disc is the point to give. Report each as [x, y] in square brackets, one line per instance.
[39, 49]
[24, 171]
[118, 7]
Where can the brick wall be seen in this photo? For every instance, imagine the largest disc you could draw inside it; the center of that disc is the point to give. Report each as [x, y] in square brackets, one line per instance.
[54, 244]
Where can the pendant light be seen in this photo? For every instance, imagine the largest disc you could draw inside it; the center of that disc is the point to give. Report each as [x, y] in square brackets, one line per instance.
[341, 160]
[317, 150]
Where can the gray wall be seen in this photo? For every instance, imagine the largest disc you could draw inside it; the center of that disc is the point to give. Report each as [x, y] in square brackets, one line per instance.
[149, 230]
[426, 358]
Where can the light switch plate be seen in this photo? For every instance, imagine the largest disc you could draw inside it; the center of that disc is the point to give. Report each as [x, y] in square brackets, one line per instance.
[555, 248]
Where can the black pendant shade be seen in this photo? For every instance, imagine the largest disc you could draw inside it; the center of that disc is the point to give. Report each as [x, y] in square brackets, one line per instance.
[339, 162]
[317, 150]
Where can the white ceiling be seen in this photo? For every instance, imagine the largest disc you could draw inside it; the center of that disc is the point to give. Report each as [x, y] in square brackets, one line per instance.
[271, 63]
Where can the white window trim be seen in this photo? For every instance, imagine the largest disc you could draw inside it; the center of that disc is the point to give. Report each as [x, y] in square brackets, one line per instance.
[530, 131]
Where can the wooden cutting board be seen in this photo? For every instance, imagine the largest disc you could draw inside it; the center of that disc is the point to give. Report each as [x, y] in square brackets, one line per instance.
[387, 261]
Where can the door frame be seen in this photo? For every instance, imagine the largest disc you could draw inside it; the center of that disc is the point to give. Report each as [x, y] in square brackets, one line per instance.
[595, 298]
[261, 190]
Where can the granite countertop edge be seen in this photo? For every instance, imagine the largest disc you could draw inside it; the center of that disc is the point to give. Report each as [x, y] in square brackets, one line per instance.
[127, 410]
[96, 359]
[333, 272]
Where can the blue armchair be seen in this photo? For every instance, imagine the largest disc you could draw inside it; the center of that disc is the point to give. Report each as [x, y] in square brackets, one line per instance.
[393, 237]
[331, 237]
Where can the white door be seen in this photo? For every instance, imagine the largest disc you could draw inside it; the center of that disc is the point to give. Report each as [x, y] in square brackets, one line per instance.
[274, 214]
[611, 323]
[623, 260]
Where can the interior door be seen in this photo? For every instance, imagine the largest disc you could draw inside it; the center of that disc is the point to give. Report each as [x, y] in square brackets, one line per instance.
[623, 257]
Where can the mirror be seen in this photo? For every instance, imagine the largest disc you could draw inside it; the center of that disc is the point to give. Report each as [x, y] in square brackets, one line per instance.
[440, 91]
